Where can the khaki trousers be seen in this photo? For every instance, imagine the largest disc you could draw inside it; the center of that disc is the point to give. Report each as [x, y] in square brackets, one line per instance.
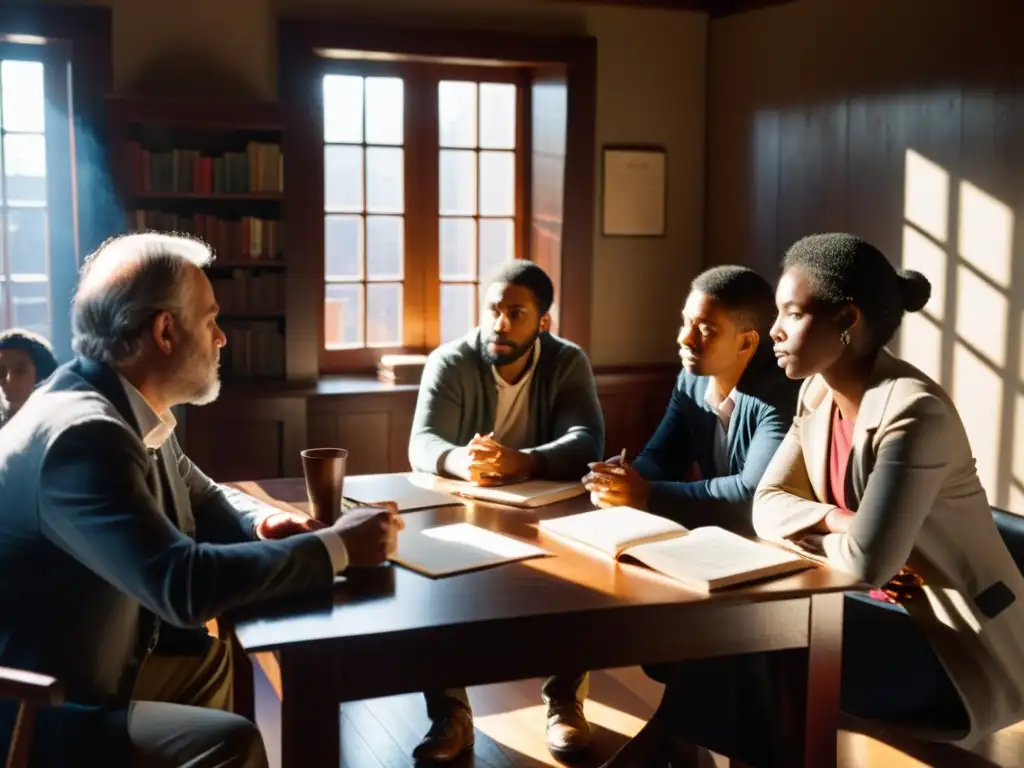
[180, 715]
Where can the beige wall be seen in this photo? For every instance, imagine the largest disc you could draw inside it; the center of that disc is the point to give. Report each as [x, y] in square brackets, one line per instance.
[651, 78]
[902, 122]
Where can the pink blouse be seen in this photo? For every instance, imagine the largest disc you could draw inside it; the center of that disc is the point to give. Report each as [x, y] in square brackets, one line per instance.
[838, 465]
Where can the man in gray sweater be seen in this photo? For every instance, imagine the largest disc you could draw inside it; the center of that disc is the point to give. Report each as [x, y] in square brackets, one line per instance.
[508, 402]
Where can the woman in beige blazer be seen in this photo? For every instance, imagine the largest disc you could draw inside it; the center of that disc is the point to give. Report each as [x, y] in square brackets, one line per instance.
[946, 653]
[876, 478]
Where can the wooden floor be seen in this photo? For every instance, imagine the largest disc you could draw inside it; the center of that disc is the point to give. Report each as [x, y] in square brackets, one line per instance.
[381, 733]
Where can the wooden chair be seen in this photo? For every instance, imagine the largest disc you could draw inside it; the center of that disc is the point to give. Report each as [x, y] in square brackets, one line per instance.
[33, 691]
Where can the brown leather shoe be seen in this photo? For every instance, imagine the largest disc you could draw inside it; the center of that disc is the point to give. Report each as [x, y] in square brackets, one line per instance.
[449, 736]
[568, 731]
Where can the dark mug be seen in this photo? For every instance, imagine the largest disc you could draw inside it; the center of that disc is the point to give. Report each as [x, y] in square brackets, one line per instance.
[324, 469]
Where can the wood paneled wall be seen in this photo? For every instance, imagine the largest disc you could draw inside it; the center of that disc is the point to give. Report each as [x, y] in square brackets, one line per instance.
[249, 435]
[902, 123]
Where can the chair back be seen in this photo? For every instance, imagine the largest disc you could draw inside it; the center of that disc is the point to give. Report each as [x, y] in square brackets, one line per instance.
[32, 691]
[1011, 528]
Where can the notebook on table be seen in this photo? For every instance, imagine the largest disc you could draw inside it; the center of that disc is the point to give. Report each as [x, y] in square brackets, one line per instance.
[404, 488]
[706, 558]
[459, 548]
[529, 494]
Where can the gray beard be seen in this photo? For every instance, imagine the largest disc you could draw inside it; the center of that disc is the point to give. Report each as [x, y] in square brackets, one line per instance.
[208, 394]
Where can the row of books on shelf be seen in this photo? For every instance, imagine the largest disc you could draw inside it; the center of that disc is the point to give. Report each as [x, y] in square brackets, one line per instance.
[247, 237]
[260, 169]
[245, 292]
[255, 349]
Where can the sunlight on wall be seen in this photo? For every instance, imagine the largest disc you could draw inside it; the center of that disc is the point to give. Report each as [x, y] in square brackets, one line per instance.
[925, 206]
[920, 339]
[929, 258]
[985, 238]
[926, 196]
[921, 344]
[985, 247]
[977, 392]
[977, 331]
[981, 315]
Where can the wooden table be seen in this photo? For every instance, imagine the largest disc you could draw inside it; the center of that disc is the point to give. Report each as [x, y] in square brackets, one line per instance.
[391, 631]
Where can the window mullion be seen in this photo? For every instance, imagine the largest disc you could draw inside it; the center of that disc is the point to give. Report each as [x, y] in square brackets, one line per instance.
[524, 161]
[426, 146]
[5, 261]
[364, 272]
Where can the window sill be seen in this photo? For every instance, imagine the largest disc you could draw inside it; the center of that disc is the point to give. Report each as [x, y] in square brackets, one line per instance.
[366, 382]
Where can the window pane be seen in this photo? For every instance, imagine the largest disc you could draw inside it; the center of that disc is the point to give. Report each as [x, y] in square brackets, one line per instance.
[385, 245]
[343, 247]
[458, 183]
[21, 83]
[497, 115]
[343, 108]
[456, 113]
[384, 314]
[343, 315]
[457, 241]
[27, 241]
[31, 304]
[343, 178]
[456, 310]
[497, 247]
[385, 110]
[25, 168]
[385, 175]
[497, 184]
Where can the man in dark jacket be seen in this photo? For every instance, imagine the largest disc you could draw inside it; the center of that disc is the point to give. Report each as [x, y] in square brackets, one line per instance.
[110, 537]
[730, 409]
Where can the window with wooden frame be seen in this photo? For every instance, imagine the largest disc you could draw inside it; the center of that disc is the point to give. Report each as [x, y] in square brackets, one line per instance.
[469, 104]
[56, 202]
[425, 195]
[36, 196]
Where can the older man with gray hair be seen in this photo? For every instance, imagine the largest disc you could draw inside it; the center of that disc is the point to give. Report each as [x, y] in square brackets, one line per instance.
[112, 541]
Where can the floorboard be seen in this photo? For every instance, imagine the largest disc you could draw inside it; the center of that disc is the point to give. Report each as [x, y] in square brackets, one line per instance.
[509, 717]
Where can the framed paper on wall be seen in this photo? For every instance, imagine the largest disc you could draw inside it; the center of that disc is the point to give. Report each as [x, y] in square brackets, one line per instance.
[633, 191]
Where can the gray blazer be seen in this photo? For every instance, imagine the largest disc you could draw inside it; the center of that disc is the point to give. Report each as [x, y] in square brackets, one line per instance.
[101, 542]
[918, 502]
[458, 398]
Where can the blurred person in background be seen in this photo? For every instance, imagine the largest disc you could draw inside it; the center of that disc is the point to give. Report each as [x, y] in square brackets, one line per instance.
[26, 359]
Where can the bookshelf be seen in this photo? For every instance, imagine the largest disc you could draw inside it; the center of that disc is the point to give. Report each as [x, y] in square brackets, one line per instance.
[215, 170]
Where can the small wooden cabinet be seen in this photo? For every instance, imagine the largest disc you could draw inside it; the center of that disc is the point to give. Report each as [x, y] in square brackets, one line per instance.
[373, 427]
[248, 436]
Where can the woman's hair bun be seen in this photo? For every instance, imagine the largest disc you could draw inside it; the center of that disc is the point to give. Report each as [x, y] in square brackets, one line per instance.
[915, 289]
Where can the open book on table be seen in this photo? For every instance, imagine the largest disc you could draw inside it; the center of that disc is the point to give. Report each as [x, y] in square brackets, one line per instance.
[705, 558]
[528, 494]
